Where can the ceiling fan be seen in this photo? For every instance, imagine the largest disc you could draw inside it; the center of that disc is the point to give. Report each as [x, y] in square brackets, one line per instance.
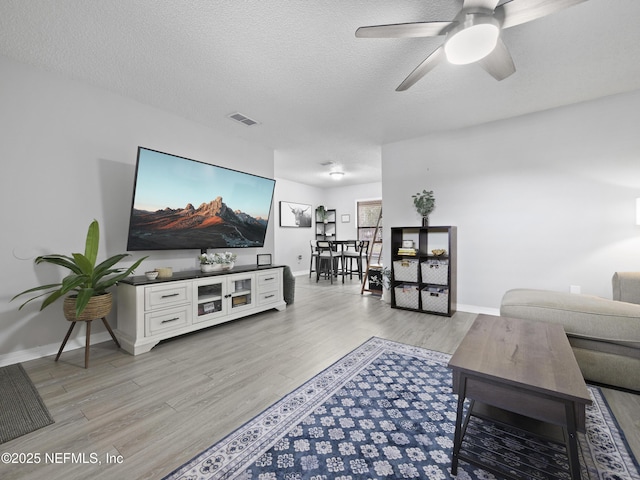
[473, 36]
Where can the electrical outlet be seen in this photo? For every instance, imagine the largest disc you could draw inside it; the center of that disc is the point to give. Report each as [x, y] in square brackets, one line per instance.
[574, 288]
[299, 257]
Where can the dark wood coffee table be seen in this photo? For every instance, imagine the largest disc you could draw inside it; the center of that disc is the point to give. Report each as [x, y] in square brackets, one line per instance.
[522, 367]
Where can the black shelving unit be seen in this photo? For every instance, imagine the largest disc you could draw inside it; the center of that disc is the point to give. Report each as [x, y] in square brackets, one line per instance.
[420, 279]
[326, 230]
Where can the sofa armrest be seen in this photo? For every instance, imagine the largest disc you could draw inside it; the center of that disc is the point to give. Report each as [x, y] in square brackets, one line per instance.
[582, 316]
[626, 287]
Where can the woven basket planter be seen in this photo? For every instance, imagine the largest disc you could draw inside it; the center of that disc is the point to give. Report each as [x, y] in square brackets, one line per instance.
[98, 307]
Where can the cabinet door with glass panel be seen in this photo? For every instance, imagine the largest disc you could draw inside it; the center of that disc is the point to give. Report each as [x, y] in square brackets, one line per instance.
[210, 296]
[240, 292]
[221, 295]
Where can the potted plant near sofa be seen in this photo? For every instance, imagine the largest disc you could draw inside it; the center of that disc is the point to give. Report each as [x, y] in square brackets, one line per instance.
[87, 283]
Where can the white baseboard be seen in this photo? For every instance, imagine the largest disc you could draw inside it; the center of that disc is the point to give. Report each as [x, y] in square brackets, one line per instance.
[461, 307]
[51, 349]
[477, 309]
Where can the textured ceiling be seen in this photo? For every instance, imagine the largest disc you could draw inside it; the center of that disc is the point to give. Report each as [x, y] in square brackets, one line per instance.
[295, 66]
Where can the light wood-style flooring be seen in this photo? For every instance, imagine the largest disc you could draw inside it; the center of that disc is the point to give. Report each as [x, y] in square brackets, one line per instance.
[158, 410]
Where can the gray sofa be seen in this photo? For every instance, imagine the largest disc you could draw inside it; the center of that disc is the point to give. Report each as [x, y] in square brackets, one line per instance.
[604, 334]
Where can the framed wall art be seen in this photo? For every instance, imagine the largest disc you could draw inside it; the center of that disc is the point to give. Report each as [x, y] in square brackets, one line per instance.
[296, 215]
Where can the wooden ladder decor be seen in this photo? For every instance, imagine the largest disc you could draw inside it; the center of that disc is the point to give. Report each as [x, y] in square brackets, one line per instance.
[377, 266]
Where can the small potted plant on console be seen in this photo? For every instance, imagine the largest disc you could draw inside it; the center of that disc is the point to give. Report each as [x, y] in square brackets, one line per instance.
[215, 262]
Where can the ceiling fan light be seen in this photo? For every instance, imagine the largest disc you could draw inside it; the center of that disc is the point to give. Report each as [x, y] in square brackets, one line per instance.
[472, 41]
[336, 175]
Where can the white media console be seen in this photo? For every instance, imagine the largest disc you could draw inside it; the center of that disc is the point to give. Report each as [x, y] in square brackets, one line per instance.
[153, 310]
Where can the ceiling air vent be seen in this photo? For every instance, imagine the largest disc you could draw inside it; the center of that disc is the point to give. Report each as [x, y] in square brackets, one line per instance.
[238, 117]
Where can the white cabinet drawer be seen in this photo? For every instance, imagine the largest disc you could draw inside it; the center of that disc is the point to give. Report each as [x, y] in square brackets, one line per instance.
[269, 281]
[268, 297]
[165, 320]
[166, 295]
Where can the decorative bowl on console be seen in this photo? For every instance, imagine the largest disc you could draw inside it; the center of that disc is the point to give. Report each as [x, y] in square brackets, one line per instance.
[210, 267]
[152, 274]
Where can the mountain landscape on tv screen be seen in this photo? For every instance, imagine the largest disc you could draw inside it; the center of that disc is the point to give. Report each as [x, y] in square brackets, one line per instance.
[211, 225]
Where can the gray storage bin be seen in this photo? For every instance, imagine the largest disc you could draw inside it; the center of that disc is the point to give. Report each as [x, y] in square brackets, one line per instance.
[435, 271]
[405, 270]
[435, 299]
[407, 296]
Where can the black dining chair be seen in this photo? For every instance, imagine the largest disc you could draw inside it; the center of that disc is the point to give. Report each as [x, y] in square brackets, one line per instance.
[326, 260]
[313, 259]
[358, 252]
[348, 253]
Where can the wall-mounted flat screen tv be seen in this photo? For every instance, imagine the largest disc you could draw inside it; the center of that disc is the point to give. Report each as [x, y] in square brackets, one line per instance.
[179, 203]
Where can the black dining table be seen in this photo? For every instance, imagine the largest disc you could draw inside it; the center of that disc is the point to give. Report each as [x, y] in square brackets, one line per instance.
[334, 246]
[342, 243]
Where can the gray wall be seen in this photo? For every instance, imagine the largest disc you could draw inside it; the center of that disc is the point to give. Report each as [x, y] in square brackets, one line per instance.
[345, 199]
[291, 242]
[68, 155]
[542, 201]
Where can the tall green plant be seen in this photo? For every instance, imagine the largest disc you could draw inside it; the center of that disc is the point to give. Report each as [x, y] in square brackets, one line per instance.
[86, 278]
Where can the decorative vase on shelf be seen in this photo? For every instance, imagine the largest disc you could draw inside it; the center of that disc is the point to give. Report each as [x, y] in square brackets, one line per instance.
[424, 202]
[227, 266]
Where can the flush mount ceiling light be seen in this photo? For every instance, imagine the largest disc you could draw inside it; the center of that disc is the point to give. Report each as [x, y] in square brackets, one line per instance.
[336, 174]
[472, 40]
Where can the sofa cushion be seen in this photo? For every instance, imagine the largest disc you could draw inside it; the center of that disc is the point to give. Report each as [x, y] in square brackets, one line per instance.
[582, 316]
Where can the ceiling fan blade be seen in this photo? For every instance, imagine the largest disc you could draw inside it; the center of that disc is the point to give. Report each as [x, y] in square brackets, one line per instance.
[421, 70]
[479, 5]
[498, 63]
[405, 30]
[517, 12]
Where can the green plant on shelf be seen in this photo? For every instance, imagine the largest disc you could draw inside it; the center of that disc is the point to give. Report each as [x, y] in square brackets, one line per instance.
[425, 203]
[321, 213]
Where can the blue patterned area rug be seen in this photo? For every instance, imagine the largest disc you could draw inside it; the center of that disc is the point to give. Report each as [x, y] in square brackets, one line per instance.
[386, 411]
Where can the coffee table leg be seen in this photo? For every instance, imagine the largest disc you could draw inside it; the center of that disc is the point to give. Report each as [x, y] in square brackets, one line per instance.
[457, 438]
[572, 442]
